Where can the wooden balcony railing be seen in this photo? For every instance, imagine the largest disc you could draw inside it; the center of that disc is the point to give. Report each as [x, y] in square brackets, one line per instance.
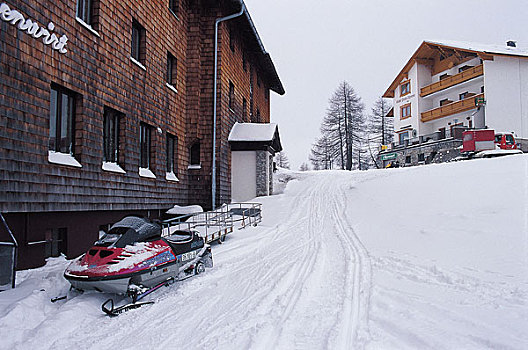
[452, 80]
[451, 108]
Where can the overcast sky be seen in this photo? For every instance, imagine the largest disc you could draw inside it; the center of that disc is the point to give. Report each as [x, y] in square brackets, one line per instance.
[316, 44]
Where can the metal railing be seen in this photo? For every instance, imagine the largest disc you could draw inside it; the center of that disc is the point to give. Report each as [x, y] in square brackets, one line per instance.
[216, 224]
[8, 258]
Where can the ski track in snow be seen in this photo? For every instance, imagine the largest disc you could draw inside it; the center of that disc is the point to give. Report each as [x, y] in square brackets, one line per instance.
[304, 280]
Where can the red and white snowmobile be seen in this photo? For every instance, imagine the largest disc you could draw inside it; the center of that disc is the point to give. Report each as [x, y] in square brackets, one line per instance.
[134, 259]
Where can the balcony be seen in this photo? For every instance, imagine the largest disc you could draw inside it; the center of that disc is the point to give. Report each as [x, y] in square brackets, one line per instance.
[452, 80]
[451, 108]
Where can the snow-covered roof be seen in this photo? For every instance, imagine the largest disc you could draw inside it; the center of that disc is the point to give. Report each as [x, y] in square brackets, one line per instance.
[252, 132]
[255, 136]
[478, 47]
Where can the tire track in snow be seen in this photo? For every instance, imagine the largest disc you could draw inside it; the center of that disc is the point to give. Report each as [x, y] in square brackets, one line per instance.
[354, 320]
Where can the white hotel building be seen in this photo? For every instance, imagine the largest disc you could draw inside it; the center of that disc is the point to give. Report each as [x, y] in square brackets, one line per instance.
[438, 88]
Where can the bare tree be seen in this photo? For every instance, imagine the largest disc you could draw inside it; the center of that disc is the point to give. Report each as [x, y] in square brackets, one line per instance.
[282, 160]
[342, 130]
[380, 128]
[304, 167]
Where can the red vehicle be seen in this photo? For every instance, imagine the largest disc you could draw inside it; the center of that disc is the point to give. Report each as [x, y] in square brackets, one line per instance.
[486, 143]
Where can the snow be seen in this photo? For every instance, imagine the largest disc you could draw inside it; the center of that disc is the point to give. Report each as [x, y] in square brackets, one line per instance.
[488, 48]
[430, 257]
[252, 132]
[113, 167]
[146, 172]
[63, 159]
[184, 210]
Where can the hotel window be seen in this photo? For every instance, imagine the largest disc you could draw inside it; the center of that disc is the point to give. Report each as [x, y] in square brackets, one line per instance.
[144, 145]
[445, 101]
[62, 120]
[85, 11]
[463, 68]
[111, 130]
[444, 76]
[172, 69]
[405, 88]
[463, 95]
[403, 136]
[174, 6]
[172, 144]
[138, 42]
[405, 111]
[231, 101]
[195, 154]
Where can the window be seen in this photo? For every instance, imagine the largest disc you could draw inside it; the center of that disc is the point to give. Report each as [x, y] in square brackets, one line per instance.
[421, 157]
[403, 136]
[231, 102]
[482, 89]
[445, 101]
[461, 69]
[405, 111]
[195, 154]
[111, 130]
[85, 11]
[444, 76]
[463, 95]
[172, 69]
[174, 6]
[172, 144]
[244, 109]
[244, 61]
[138, 42]
[407, 159]
[62, 119]
[405, 88]
[144, 145]
[56, 243]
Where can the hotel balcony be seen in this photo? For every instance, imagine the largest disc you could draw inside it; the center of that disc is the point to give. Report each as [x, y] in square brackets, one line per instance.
[452, 80]
[451, 108]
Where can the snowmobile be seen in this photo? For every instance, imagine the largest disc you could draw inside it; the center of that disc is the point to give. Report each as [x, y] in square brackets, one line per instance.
[135, 259]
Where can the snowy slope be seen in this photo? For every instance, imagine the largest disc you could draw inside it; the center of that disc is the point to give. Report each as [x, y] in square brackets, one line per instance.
[415, 258]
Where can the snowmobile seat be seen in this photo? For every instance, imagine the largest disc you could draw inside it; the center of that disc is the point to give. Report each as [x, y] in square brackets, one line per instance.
[180, 237]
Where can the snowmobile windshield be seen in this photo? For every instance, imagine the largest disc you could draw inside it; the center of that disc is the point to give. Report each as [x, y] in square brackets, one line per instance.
[129, 231]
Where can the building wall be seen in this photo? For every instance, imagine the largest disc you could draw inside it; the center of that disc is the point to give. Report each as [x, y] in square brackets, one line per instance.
[98, 68]
[244, 176]
[506, 89]
[412, 98]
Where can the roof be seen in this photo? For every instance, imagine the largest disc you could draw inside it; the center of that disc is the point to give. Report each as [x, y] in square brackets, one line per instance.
[252, 132]
[263, 56]
[427, 47]
[260, 134]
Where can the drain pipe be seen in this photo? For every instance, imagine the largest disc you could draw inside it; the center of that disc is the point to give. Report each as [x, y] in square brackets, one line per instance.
[217, 22]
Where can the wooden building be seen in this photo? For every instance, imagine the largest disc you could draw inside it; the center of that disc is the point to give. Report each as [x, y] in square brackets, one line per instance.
[107, 110]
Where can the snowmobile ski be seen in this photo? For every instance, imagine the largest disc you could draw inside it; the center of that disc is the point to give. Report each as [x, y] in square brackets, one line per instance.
[115, 311]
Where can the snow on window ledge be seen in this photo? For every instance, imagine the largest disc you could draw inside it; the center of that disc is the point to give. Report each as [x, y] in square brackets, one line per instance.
[170, 86]
[171, 177]
[145, 172]
[113, 167]
[195, 166]
[138, 63]
[87, 26]
[63, 159]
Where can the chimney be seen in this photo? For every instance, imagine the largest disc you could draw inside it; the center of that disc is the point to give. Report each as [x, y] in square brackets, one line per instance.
[511, 43]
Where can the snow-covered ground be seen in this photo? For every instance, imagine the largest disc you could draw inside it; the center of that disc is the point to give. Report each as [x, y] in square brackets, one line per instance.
[431, 257]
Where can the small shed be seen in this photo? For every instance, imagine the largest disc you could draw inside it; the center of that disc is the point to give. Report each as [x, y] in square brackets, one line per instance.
[253, 146]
